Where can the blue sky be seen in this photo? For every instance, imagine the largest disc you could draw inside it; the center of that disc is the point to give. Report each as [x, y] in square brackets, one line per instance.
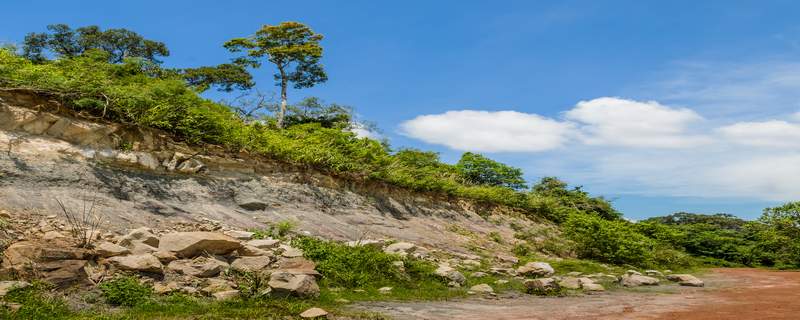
[661, 106]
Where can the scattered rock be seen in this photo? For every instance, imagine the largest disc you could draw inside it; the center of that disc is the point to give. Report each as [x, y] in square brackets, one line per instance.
[654, 273]
[52, 235]
[451, 274]
[482, 288]
[570, 283]
[264, 244]
[629, 272]
[108, 249]
[479, 274]
[250, 251]
[142, 235]
[213, 285]
[536, 269]
[635, 280]
[298, 265]
[225, 295]
[201, 267]
[165, 256]
[385, 290]
[166, 288]
[314, 313]
[290, 252]
[471, 264]
[8, 286]
[574, 274]
[542, 286]
[138, 262]
[192, 244]
[287, 283]
[251, 264]
[593, 287]
[252, 204]
[501, 281]
[239, 235]
[508, 259]
[686, 280]
[400, 248]
[503, 271]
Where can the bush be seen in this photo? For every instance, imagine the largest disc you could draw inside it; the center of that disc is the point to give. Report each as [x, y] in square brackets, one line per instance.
[360, 266]
[125, 291]
[614, 242]
[36, 304]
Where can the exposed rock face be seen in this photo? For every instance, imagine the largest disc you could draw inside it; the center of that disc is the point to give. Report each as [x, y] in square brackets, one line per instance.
[287, 283]
[192, 244]
[139, 262]
[635, 280]
[536, 269]
[686, 280]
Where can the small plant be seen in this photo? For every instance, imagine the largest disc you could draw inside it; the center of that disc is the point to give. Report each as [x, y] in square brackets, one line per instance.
[279, 230]
[251, 284]
[85, 224]
[496, 237]
[125, 291]
[125, 146]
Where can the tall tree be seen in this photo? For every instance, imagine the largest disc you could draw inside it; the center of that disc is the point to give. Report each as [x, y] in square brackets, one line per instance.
[61, 40]
[295, 51]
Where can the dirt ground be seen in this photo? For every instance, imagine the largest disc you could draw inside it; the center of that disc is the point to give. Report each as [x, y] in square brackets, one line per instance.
[729, 294]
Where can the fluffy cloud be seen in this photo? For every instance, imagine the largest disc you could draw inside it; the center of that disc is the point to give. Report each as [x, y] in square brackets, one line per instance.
[487, 131]
[621, 122]
[775, 133]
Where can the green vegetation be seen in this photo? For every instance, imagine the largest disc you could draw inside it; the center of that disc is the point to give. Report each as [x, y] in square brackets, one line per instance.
[125, 291]
[477, 169]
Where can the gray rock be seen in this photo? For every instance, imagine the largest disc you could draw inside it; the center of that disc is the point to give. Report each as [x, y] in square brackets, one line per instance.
[192, 244]
[314, 313]
[635, 280]
[108, 249]
[251, 264]
[536, 269]
[482, 288]
[290, 284]
[201, 267]
[686, 280]
[139, 262]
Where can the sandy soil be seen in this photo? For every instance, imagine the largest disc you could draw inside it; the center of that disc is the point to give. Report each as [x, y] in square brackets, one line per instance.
[729, 294]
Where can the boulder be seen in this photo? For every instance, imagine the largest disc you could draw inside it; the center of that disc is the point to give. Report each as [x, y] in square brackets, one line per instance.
[192, 244]
[686, 280]
[201, 267]
[239, 235]
[142, 235]
[213, 285]
[53, 262]
[481, 288]
[137, 247]
[654, 273]
[507, 259]
[298, 266]
[108, 249]
[400, 248]
[451, 274]
[63, 273]
[251, 264]
[635, 280]
[290, 252]
[8, 286]
[165, 256]
[593, 287]
[138, 262]
[289, 284]
[570, 283]
[264, 244]
[250, 251]
[166, 288]
[225, 295]
[314, 313]
[536, 269]
[542, 286]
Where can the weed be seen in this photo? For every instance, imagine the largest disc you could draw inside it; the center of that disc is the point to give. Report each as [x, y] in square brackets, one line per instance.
[125, 291]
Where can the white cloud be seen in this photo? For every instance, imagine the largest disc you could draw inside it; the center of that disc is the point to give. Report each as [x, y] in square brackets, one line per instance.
[622, 122]
[774, 133]
[489, 131]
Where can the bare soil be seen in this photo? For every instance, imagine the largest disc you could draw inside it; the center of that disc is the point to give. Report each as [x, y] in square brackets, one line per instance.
[729, 294]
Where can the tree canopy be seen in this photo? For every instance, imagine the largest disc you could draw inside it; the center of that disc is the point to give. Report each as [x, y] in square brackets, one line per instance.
[477, 169]
[293, 48]
[62, 41]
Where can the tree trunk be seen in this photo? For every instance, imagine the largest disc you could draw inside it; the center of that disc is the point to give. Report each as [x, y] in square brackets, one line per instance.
[282, 111]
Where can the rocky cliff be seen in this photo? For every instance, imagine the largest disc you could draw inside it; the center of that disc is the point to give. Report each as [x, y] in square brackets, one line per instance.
[139, 177]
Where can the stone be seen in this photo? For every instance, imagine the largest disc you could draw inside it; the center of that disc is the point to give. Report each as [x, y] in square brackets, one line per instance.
[507, 259]
[251, 264]
[264, 244]
[471, 264]
[542, 286]
[166, 288]
[385, 290]
[503, 271]
[289, 284]
[138, 262]
[635, 280]
[570, 283]
[138, 247]
[52, 262]
[8, 286]
[142, 235]
[629, 272]
[400, 248]
[225, 295]
[479, 274]
[298, 265]
[213, 285]
[593, 287]
[250, 251]
[165, 256]
[536, 269]
[192, 244]
[201, 267]
[290, 252]
[574, 274]
[107, 249]
[190, 166]
[239, 235]
[451, 274]
[686, 280]
[377, 244]
[654, 273]
[314, 313]
[53, 235]
[482, 288]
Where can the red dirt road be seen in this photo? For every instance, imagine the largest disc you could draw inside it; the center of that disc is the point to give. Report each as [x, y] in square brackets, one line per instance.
[756, 294]
[740, 294]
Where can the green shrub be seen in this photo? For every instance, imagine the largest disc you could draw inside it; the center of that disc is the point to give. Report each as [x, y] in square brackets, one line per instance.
[360, 266]
[36, 303]
[614, 242]
[125, 291]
